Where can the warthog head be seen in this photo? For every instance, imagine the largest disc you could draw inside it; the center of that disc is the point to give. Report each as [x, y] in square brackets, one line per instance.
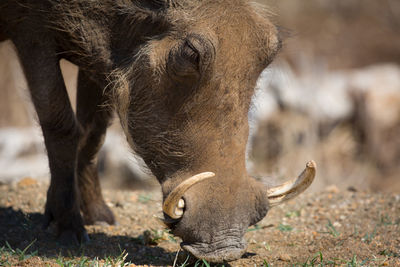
[183, 102]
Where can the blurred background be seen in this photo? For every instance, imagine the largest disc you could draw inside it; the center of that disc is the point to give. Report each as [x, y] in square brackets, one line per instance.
[332, 95]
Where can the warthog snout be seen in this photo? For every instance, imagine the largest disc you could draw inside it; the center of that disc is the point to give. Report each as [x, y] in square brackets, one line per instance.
[225, 249]
[211, 217]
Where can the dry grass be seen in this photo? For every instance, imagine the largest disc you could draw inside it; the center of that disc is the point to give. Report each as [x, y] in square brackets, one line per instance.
[320, 229]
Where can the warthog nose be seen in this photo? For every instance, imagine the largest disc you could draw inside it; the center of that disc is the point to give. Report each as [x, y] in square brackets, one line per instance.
[215, 254]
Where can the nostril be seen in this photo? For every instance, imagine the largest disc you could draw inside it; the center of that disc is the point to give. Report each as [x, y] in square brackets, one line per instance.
[248, 255]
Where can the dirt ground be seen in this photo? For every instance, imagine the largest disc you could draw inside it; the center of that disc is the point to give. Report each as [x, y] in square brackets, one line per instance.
[334, 228]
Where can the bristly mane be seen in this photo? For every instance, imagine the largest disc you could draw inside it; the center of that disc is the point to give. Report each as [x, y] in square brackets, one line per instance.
[101, 29]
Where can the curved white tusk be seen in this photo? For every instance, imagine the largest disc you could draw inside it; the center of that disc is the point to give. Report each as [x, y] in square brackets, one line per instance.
[174, 203]
[290, 189]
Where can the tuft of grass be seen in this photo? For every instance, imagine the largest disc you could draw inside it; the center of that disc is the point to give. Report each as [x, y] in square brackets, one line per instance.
[353, 262]
[84, 261]
[318, 260]
[369, 237]
[331, 229]
[201, 263]
[119, 261]
[355, 232]
[144, 198]
[4, 257]
[9, 256]
[266, 246]
[285, 227]
[198, 263]
[204, 263]
[155, 236]
[21, 254]
[184, 264]
[389, 253]
[256, 227]
[265, 264]
[385, 220]
[293, 214]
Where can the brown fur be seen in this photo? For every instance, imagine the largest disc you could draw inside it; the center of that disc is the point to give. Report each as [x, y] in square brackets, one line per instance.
[180, 75]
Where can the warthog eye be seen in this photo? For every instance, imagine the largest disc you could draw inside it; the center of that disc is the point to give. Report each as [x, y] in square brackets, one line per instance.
[183, 63]
[190, 52]
[190, 59]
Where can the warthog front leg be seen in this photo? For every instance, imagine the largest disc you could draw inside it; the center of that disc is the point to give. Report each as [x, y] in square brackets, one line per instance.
[94, 117]
[61, 134]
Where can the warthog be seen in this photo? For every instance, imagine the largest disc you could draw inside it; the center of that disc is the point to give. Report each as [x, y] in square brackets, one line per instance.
[180, 74]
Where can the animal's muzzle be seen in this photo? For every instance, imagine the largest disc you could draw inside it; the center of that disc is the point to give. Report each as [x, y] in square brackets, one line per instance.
[228, 249]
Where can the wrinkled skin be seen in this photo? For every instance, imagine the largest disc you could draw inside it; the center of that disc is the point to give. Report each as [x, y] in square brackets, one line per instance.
[180, 75]
[214, 222]
[203, 82]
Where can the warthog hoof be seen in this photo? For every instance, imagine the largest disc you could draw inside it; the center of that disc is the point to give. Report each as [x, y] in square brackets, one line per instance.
[98, 213]
[68, 224]
[70, 238]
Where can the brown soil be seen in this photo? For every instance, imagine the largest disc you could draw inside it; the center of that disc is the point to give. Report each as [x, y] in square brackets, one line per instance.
[344, 228]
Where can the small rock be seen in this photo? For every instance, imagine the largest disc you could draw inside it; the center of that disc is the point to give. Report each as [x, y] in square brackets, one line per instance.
[134, 198]
[101, 223]
[337, 224]
[27, 181]
[351, 189]
[353, 206]
[119, 204]
[284, 257]
[332, 189]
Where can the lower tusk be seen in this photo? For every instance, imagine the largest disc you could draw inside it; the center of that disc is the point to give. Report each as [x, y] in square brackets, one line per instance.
[181, 203]
[291, 189]
[178, 212]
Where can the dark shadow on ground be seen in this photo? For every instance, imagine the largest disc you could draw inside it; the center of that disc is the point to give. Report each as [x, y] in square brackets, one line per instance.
[21, 230]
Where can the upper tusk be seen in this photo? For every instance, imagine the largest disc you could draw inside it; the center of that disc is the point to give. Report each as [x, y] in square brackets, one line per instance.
[292, 188]
[174, 203]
